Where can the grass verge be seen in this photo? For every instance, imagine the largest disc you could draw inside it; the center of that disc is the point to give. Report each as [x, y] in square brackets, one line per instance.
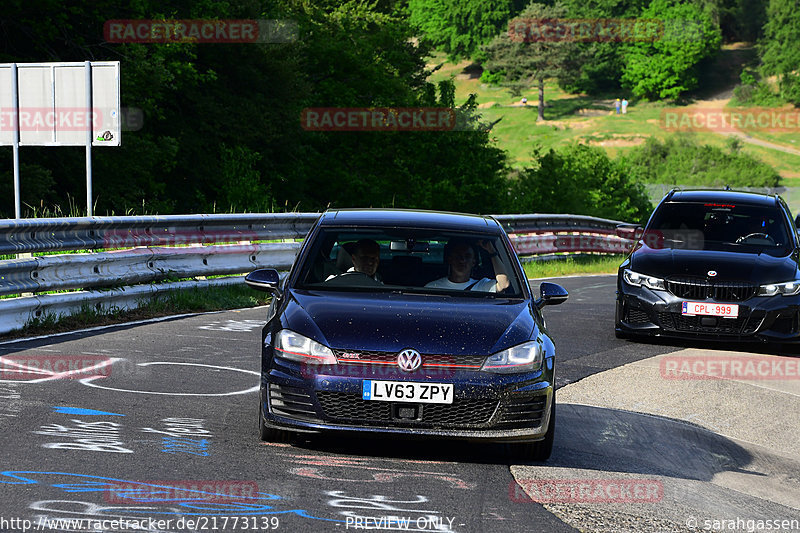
[571, 265]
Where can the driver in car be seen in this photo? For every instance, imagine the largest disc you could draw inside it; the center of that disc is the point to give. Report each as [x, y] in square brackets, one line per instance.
[366, 257]
[461, 257]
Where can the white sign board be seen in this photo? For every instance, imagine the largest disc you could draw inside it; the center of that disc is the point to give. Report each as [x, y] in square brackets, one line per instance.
[52, 104]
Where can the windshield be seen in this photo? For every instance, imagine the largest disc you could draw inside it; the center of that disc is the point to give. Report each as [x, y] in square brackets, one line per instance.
[410, 260]
[719, 226]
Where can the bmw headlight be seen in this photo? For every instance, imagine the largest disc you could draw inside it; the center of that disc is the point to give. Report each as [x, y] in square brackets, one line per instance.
[787, 288]
[296, 347]
[525, 357]
[638, 280]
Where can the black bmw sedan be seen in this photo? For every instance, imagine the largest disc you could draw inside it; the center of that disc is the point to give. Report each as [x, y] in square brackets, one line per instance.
[408, 322]
[713, 264]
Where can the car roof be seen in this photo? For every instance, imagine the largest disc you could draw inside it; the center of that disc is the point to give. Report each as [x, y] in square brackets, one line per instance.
[409, 218]
[736, 197]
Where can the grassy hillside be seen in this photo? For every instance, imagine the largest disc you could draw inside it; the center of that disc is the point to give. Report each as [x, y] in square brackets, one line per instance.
[593, 120]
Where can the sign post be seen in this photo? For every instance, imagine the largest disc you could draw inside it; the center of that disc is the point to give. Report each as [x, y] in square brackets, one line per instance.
[15, 125]
[60, 104]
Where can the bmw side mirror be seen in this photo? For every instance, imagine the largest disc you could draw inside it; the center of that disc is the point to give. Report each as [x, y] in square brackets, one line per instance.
[552, 294]
[633, 232]
[264, 279]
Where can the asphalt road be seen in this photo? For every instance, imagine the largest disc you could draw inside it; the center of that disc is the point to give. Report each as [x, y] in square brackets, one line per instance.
[166, 440]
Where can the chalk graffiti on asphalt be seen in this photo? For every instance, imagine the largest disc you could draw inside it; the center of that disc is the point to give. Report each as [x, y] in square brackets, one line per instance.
[82, 435]
[192, 502]
[10, 401]
[379, 511]
[176, 436]
[233, 325]
[323, 467]
[90, 382]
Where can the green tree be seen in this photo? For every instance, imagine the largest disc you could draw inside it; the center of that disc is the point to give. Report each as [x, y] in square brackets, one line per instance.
[601, 62]
[780, 49]
[580, 180]
[739, 20]
[526, 60]
[667, 65]
[355, 57]
[682, 160]
[221, 125]
[459, 27]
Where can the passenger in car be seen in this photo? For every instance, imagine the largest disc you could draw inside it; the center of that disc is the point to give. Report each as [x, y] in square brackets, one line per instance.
[460, 255]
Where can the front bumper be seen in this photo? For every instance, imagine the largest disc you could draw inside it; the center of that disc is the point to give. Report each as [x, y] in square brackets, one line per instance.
[485, 407]
[643, 311]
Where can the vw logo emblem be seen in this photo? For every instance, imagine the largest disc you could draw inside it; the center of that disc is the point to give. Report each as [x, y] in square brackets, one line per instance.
[712, 273]
[409, 360]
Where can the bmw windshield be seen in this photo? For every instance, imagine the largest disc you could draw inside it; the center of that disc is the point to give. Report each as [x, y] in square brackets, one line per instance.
[721, 227]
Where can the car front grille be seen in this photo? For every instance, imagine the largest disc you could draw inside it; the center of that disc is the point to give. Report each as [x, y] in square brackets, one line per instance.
[291, 402]
[369, 357]
[742, 325]
[345, 407]
[720, 291]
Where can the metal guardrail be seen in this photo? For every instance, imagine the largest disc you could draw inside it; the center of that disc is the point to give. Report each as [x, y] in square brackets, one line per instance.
[93, 233]
[136, 253]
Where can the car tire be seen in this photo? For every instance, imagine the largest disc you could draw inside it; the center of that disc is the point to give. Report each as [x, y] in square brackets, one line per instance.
[268, 433]
[541, 450]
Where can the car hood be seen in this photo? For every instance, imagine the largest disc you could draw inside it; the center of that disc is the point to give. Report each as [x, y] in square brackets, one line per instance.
[729, 266]
[391, 322]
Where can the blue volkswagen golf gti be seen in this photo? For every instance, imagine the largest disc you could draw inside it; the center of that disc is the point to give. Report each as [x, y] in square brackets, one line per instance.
[718, 265]
[408, 322]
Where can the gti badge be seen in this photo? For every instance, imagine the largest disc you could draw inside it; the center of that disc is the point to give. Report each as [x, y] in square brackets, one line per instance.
[712, 273]
[409, 360]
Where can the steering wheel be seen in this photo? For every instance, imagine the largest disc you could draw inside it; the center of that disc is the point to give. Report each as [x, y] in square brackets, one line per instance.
[754, 235]
[353, 278]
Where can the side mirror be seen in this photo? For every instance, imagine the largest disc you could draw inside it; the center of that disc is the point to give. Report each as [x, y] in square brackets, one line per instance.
[264, 279]
[797, 221]
[633, 232]
[552, 294]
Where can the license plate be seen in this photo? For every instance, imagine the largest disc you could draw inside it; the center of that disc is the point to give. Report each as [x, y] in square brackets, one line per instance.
[403, 391]
[709, 309]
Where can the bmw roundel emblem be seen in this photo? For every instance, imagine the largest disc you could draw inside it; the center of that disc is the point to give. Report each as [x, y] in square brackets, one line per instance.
[712, 273]
[409, 360]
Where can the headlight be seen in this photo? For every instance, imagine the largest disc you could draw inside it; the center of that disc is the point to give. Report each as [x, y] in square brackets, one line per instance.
[787, 288]
[637, 280]
[296, 347]
[525, 357]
